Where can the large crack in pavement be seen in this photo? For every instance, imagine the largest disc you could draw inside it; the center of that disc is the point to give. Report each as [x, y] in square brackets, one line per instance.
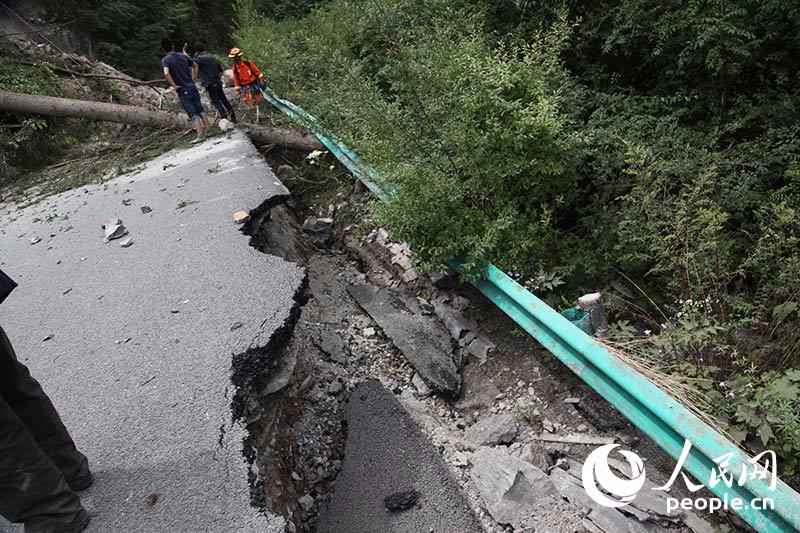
[292, 392]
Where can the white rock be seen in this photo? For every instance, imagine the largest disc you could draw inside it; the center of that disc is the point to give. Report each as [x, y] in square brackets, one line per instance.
[225, 124]
[114, 231]
[419, 384]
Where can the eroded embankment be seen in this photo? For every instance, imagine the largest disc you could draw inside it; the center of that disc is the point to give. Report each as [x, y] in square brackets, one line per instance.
[266, 398]
[291, 391]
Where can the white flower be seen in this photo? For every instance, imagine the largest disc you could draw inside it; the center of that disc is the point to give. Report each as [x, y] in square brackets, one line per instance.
[647, 332]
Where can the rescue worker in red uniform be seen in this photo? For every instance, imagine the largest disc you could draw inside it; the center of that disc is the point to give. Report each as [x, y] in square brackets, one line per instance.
[247, 79]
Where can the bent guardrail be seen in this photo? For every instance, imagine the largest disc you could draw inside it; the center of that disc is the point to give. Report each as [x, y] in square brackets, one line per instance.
[668, 423]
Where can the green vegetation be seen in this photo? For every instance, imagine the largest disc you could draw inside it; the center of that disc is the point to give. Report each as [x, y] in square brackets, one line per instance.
[647, 149]
[128, 34]
[29, 143]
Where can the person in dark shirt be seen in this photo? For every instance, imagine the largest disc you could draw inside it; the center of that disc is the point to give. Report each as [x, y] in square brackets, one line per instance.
[41, 470]
[210, 69]
[180, 70]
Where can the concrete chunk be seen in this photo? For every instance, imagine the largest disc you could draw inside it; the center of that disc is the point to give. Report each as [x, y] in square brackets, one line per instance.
[495, 429]
[240, 217]
[454, 321]
[481, 347]
[514, 491]
[114, 231]
[419, 384]
[606, 518]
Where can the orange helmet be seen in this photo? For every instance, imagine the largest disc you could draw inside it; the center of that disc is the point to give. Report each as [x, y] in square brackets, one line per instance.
[235, 52]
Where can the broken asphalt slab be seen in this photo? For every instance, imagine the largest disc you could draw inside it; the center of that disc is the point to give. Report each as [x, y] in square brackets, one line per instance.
[425, 343]
[152, 414]
[387, 459]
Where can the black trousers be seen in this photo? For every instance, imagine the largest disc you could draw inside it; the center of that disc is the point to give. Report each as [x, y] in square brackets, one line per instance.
[38, 459]
[220, 101]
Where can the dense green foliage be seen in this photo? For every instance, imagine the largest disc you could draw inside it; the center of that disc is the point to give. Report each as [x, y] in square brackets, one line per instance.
[127, 33]
[649, 149]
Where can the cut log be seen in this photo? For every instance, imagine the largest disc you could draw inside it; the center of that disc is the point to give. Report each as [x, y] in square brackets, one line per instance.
[30, 104]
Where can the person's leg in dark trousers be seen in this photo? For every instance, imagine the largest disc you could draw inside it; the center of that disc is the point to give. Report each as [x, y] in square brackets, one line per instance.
[217, 96]
[34, 408]
[33, 490]
[37, 455]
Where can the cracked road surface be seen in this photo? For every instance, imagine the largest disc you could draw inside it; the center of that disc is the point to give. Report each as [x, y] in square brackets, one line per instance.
[142, 339]
[387, 456]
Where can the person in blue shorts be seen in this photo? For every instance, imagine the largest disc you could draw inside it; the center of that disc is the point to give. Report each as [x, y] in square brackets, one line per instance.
[180, 70]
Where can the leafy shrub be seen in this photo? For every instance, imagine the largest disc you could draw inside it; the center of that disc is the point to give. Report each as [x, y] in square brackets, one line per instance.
[767, 407]
[467, 133]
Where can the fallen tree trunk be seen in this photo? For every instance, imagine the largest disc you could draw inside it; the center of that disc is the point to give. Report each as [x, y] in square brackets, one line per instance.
[30, 104]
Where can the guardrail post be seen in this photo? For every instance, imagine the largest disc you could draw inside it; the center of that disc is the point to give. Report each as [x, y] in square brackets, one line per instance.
[593, 304]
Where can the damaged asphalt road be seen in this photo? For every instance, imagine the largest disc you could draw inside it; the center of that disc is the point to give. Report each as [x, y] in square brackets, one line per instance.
[141, 338]
[392, 479]
[158, 353]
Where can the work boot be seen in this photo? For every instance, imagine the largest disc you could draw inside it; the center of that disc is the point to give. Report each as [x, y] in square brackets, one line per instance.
[232, 117]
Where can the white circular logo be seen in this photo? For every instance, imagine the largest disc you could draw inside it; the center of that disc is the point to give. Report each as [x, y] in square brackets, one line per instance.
[596, 471]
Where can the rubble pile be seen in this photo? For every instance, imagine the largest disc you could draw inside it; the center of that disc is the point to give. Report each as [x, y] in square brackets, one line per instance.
[507, 429]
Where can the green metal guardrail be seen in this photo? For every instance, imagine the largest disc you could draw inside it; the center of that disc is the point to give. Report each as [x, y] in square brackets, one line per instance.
[654, 412]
